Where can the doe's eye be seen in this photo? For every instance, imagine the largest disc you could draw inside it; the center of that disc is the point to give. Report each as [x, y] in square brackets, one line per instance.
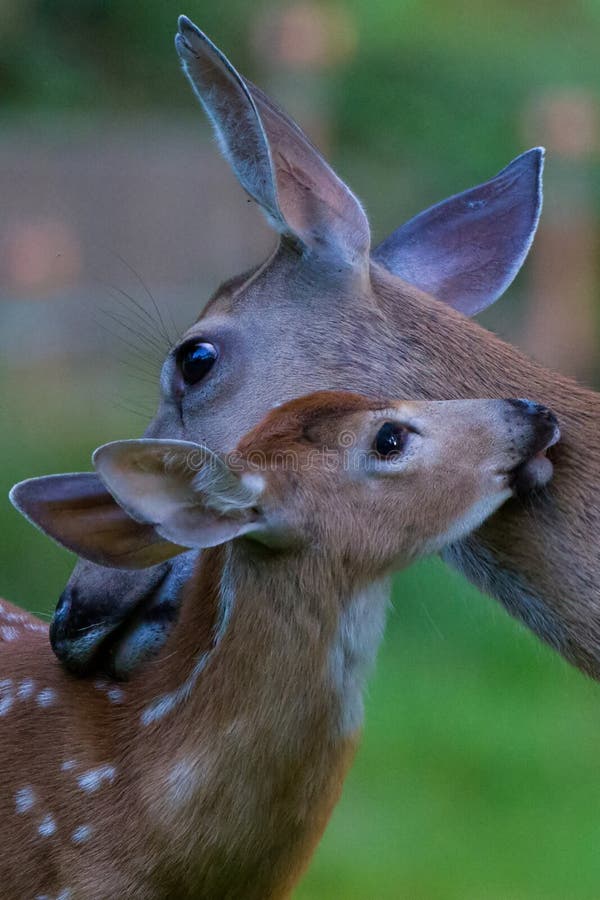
[195, 359]
[390, 440]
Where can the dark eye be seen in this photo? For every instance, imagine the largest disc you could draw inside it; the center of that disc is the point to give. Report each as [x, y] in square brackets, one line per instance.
[195, 360]
[390, 440]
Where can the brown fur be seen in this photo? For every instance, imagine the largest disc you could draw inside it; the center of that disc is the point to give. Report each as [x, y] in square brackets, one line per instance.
[225, 794]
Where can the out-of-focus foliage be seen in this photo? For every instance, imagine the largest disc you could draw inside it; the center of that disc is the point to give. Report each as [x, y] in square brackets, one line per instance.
[426, 77]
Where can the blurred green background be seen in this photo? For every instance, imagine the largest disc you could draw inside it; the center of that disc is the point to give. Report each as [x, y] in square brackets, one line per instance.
[478, 778]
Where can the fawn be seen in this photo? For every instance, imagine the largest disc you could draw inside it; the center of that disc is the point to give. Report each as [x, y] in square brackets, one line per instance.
[213, 772]
[327, 311]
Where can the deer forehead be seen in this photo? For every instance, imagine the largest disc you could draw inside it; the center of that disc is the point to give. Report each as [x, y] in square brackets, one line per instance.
[308, 420]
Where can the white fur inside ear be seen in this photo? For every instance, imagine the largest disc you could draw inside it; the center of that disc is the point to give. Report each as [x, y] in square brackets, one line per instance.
[222, 490]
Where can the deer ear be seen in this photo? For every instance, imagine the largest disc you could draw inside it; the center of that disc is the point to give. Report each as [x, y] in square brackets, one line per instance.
[466, 250]
[273, 159]
[188, 493]
[78, 512]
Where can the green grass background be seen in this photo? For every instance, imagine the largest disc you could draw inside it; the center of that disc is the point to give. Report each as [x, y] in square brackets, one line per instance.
[478, 776]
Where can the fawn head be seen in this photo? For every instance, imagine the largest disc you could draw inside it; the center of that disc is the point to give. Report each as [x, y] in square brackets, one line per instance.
[368, 485]
[324, 311]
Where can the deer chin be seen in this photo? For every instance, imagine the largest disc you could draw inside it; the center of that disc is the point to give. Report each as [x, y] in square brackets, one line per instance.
[533, 474]
[536, 472]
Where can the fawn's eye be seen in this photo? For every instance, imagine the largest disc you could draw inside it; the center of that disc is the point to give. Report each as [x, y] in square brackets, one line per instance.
[390, 440]
[195, 359]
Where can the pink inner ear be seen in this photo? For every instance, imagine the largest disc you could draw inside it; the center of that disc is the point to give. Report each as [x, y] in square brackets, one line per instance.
[79, 513]
[466, 250]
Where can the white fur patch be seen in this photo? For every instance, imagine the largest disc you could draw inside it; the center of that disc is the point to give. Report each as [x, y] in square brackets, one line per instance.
[47, 826]
[114, 693]
[93, 779]
[222, 490]
[25, 799]
[46, 697]
[34, 626]
[6, 696]
[8, 633]
[182, 781]
[81, 834]
[360, 631]
[65, 894]
[25, 689]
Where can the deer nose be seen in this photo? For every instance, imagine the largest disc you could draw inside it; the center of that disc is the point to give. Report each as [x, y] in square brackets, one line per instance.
[543, 416]
[542, 428]
[529, 407]
[73, 633]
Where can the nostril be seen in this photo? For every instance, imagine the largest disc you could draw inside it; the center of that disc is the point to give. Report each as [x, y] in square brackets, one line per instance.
[524, 404]
[533, 409]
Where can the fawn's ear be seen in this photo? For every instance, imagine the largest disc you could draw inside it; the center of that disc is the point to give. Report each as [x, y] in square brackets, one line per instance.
[79, 513]
[185, 491]
[273, 159]
[466, 250]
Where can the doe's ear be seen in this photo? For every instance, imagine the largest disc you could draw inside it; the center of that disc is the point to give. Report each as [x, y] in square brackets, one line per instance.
[78, 512]
[187, 493]
[466, 250]
[272, 158]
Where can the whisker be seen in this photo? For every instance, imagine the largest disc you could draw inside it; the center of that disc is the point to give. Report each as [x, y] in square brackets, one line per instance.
[150, 325]
[129, 409]
[149, 341]
[130, 365]
[149, 294]
[142, 314]
[131, 347]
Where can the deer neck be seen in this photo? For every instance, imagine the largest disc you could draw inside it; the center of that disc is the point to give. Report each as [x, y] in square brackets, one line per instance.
[256, 705]
[540, 556]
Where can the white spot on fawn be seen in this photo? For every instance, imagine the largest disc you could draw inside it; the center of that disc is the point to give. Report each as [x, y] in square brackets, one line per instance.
[115, 695]
[11, 616]
[47, 826]
[25, 689]
[46, 697]
[33, 626]
[82, 834]
[24, 799]
[182, 781]
[68, 764]
[6, 695]
[8, 633]
[93, 779]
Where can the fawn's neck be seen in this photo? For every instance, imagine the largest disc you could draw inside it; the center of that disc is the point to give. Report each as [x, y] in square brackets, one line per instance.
[256, 706]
